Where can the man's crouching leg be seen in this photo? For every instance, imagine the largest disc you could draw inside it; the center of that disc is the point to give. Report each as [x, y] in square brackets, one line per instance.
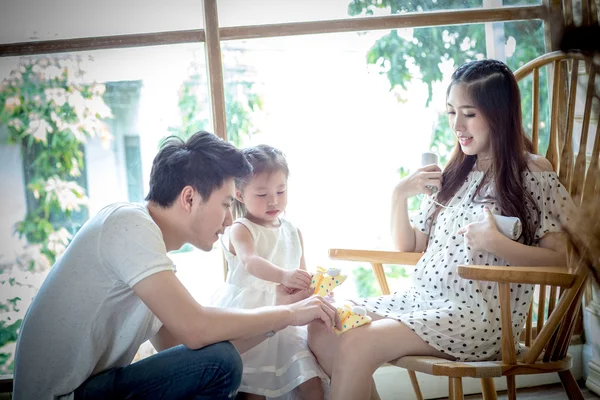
[220, 374]
[212, 372]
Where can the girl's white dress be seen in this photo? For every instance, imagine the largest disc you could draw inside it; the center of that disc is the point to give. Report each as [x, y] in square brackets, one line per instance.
[280, 363]
[457, 316]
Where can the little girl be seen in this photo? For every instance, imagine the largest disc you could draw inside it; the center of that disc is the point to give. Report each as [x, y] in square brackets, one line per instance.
[264, 250]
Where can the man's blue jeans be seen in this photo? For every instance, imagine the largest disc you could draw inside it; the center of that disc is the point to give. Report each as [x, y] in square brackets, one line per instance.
[213, 372]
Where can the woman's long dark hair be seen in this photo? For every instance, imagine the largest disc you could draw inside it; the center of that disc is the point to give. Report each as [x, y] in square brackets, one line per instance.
[493, 89]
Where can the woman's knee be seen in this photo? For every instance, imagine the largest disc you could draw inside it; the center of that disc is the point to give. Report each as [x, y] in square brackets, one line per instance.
[356, 347]
[323, 344]
[315, 331]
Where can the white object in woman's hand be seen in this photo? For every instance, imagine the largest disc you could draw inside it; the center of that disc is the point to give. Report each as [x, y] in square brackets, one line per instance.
[420, 181]
[479, 236]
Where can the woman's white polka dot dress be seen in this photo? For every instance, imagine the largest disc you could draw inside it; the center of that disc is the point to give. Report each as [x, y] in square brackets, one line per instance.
[457, 316]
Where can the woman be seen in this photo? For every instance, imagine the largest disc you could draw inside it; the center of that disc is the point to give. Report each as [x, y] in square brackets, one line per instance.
[490, 172]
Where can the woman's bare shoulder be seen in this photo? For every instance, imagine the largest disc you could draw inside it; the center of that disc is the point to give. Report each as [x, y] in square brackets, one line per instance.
[537, 163]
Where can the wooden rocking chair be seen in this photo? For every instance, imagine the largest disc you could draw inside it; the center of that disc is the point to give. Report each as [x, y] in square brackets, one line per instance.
[546, 344]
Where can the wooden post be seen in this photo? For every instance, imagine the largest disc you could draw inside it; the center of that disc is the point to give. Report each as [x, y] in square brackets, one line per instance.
[216, 89]
[553, 25]
[215, 69]
[494, 34]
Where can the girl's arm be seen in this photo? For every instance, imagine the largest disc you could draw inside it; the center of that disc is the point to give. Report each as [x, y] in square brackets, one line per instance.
[244, 248]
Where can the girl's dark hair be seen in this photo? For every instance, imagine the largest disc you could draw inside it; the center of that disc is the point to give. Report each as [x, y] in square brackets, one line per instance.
[493, 89]
[204, 161]
[262, 158]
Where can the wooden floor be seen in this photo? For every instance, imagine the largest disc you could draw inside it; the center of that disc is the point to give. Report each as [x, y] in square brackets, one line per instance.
[549, 392]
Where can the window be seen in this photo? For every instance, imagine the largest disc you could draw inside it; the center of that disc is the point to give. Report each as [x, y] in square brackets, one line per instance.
[133, 165]
[138, 106]
[33, 20]
[123, 98]
[233, 13]
[363, 105]
[352, 112]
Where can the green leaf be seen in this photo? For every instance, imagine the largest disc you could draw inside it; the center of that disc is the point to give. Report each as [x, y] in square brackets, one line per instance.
[8, 334]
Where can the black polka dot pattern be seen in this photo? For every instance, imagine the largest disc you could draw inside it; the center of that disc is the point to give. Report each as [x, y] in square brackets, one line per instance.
[457, 316]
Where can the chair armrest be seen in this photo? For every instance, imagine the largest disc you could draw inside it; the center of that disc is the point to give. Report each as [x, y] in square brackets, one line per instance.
[375, 256]
[554, 276]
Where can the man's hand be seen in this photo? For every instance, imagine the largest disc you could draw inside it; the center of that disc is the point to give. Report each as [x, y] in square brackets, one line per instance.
[296, 279]
[306, 307]
[314, 308]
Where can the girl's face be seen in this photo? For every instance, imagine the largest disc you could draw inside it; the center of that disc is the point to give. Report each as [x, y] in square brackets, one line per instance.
[468, 123]
[265, 197]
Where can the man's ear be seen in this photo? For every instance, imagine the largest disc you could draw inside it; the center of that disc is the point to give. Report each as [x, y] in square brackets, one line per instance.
[187, 197]
[238, 196]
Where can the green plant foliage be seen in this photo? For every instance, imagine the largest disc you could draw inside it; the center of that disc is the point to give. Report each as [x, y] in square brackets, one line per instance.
[365, 280]
[418, 54]
[241, 100]
[49, 112]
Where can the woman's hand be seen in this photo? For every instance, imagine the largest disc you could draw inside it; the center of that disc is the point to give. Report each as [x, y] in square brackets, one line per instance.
[481, 235]
[420, 181]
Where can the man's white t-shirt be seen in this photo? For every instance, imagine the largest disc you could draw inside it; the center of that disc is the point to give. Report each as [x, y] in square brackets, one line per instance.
[86, 318]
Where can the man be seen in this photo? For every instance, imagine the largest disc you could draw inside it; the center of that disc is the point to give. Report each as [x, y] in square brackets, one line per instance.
[115, 288]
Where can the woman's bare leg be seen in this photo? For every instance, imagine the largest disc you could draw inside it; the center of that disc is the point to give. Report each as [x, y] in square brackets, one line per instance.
[311, 389]
[251, 396]
[352, 358]
[374, 394]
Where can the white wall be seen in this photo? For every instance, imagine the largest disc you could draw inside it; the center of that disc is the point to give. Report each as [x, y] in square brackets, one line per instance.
[29, 20]
[12, 208]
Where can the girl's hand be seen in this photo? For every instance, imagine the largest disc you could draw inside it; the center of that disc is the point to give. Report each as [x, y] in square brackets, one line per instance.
[417, 182]
[296, 279]
[481, 235]
[284, 295]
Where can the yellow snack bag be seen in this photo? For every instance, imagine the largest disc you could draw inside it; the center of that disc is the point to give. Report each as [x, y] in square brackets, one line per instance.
[351, 317]
[324, 281]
